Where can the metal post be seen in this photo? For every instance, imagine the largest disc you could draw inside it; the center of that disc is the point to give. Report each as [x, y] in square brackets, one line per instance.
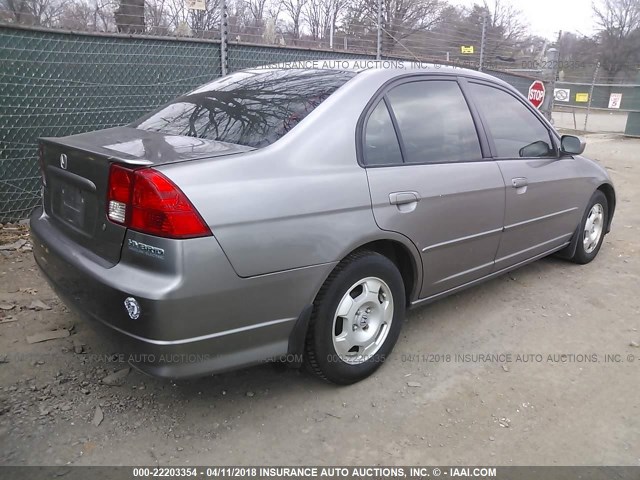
[333, 23]
[593, 81]
[483, 40]
[224, 37]
[553, 59]
[379, 48]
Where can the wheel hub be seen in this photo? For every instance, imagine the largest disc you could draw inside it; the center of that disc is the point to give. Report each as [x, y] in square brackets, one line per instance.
[362, 320]
[593, 228]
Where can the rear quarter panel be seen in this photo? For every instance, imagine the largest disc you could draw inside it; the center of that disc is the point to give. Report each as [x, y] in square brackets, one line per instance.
[302, 201]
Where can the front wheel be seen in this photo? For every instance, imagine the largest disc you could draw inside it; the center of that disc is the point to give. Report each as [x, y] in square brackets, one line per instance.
[592, 229]
[356, 320]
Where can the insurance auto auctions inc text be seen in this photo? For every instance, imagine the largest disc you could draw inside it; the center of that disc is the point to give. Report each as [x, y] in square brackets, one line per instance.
[375, 472]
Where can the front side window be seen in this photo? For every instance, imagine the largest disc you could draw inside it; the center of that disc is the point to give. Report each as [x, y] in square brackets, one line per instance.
[435, 122]
[253, 108]
[516, 132]
[380, 141]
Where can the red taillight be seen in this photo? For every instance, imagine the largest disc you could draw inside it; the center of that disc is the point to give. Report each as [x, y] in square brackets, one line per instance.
[147, 201]
[160, 208]
[119, 195]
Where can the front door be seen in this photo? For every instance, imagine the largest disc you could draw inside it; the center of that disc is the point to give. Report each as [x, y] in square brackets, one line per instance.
[544, 199]
[429, 181]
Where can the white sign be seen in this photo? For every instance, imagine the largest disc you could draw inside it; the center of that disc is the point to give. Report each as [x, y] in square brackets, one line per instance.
[561, 94]
[615, 99]
[196, 4]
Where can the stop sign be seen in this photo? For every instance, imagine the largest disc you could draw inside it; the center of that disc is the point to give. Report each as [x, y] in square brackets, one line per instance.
[536, 93]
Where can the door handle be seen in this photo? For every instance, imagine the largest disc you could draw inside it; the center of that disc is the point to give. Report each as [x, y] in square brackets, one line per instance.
[405, 202]
[519, 182]
[403, 198]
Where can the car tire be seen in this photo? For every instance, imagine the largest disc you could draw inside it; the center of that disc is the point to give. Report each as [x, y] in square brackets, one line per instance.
[356, 320]
[592, 229]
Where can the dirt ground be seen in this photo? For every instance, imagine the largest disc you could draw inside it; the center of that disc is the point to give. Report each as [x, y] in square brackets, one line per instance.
[424, 406]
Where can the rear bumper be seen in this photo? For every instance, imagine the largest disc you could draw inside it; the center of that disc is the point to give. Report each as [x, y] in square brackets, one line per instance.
[196, 315]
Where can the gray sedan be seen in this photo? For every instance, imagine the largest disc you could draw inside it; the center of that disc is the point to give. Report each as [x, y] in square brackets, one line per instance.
[288, 213]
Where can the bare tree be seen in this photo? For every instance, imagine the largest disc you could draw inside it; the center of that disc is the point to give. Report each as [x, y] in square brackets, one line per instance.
[400, 19]
[403, 19]
[580, 53]
[505, 30]
[96, 15]
[619, 35]
[294, 10]
[316, 14]
[206, 22]
[257, 8]
[157, 18]
[359, 25]
[34, 12]
[505, 34]
[185, 21]
[506, 19]
[240, 20]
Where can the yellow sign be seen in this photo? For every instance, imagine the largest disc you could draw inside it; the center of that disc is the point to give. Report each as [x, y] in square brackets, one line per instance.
[582, 97]
[464, 49]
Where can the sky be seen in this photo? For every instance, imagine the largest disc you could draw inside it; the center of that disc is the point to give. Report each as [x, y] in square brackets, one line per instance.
[547, 17]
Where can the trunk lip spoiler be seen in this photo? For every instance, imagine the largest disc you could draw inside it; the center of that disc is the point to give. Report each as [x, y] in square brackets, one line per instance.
[142, 162]
[109, 157]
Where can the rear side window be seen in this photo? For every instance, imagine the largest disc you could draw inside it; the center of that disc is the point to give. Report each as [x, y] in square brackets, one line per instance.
[253, 108]
[381, 145]
[515, 129]
[434, 122]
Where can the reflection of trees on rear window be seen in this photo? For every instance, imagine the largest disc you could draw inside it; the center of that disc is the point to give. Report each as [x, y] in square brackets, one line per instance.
[253, 108]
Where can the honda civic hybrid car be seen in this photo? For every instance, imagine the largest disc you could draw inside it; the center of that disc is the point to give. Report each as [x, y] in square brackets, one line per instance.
[296, 213]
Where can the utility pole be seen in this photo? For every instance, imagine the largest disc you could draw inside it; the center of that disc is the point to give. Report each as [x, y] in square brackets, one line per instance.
[593, 81]
[483, 40]
[333, 23]
[553, 58]
[224, 37]
[379, 46]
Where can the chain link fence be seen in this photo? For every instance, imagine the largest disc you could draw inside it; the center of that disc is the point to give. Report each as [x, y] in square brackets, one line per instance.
[55, 83]
[597, 106]
[441, 30]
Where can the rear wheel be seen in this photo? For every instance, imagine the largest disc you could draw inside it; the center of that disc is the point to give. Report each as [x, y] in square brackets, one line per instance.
[592, 229]
[356, 320]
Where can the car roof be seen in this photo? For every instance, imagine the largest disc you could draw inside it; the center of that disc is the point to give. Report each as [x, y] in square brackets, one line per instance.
[366, 64]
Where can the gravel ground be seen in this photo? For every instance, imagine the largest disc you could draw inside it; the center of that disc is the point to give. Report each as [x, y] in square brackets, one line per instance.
[424, 406]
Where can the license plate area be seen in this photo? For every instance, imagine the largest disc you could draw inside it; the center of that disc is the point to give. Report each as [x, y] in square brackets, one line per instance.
[72, 205]
[74, 200]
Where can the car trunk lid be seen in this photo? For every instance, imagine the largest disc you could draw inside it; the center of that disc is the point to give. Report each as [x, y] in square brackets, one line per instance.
[76, 177]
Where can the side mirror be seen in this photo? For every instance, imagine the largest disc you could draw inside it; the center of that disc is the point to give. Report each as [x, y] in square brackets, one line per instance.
[572, 145]
[535, 149]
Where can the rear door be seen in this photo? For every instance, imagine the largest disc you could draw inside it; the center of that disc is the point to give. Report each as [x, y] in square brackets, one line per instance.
[430, 181]
[543, 191]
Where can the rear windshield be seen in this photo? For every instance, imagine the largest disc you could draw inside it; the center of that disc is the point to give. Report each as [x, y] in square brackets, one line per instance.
[253, 108]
